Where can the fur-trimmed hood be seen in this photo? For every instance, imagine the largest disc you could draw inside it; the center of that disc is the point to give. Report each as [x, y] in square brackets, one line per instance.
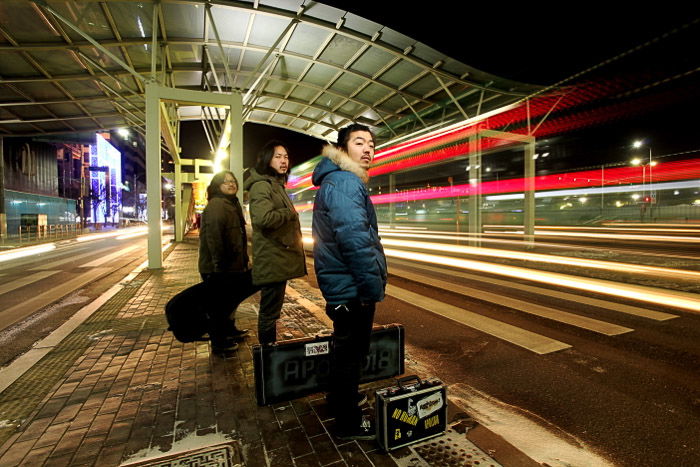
[337, 159]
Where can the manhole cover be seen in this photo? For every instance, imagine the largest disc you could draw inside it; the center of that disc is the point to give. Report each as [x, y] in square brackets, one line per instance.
[221, 455]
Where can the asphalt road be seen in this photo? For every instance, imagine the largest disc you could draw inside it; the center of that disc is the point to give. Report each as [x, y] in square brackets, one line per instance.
[613, 375]
[40, 292]
[565, 374]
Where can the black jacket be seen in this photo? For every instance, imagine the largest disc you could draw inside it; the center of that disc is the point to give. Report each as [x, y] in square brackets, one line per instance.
[222, 237]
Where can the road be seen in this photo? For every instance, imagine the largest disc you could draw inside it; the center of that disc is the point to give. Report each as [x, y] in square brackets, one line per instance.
[601, 354]
[40, 291]
[578, 354]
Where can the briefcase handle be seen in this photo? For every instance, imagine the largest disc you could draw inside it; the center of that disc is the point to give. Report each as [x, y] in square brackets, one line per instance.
[402, 381]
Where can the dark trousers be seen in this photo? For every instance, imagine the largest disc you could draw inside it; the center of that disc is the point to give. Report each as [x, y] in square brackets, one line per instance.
[271, 300]
[352, 328]
[226, 291]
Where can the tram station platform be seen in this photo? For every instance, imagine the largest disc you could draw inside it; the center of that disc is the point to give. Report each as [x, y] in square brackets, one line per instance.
[113, 387]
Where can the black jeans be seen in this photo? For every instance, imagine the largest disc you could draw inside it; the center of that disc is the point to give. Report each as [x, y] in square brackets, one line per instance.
[352, 328]
[226, 291]
[271, 300]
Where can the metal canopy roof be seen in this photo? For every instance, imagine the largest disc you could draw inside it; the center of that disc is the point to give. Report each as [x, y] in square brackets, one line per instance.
[82, 65]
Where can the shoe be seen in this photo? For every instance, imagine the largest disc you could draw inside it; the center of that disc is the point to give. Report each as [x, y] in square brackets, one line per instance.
[361, 398]
[227, 347]
[238, 335]
[365, 432]
[240, 332]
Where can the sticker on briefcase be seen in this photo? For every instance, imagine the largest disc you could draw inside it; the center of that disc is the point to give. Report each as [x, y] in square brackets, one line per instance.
[317, 348]
[407, 414]
[429, 404]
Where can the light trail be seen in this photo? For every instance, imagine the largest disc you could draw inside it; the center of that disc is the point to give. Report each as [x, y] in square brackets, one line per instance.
[35, 250]
[536, 257]
[675, 299]
[649, 238]
[541, 258]
[640, 224]
[118, 233]
[141, 231]
[464, 237]
[603, 229]
[27, 251]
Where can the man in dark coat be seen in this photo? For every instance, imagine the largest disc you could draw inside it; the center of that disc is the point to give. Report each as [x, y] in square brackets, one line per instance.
[350, 267]
[278, 251]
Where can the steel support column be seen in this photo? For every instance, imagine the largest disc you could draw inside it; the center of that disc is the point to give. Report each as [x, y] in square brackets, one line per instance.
[179, 215]
[475, 190]
[153, 167]
[529, 191]
[156, 118]
[3, 215]
[392, 207]
[235, 149]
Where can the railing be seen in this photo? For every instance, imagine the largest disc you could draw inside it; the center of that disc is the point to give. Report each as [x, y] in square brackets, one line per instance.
[33, 233]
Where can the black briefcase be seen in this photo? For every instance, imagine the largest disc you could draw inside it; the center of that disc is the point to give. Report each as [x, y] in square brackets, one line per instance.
[413, 410]
[295, 368]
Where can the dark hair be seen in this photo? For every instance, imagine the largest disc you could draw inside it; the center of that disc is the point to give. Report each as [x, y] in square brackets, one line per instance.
[344, 134]
[262, 165]
[214, 188]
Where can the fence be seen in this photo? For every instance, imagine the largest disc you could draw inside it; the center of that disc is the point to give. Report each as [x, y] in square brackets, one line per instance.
[34, 233]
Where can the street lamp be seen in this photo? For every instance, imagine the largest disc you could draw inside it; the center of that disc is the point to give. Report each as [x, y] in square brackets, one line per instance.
[637, 161]
[650, 198]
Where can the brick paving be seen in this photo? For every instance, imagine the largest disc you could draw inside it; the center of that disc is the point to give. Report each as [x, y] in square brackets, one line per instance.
[120, 389]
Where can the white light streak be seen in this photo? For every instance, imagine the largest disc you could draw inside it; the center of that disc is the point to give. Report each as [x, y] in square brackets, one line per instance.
[23, 252]
[636, 292]
[549, 259]
[141, 231]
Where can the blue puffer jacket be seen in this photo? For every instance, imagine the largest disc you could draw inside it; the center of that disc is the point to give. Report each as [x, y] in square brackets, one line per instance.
[348, 256]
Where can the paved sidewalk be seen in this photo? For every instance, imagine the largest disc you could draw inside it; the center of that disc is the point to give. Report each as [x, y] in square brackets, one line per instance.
[120, 390]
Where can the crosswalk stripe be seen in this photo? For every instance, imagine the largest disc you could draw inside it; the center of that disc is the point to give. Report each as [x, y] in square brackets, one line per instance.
[69, 259]
[20, 311]
[580, 299]
[108, 258]
[16, 284]
[523, 338]
[561, 316]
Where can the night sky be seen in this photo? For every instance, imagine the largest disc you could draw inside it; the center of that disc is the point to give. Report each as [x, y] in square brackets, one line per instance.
[543, 46]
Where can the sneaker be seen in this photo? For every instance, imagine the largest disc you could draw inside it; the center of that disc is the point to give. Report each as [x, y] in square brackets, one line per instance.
[364, 432]
[361, 398]
[228, 347]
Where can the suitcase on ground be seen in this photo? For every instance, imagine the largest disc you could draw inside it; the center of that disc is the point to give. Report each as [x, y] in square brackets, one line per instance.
[186, 314]
[295, 368]
[414, 410]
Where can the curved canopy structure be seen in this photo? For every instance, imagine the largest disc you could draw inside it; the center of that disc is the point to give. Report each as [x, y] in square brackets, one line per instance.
[83, 65]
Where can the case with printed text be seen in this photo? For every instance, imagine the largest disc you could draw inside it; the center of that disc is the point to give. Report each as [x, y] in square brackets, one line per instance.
[413, 410]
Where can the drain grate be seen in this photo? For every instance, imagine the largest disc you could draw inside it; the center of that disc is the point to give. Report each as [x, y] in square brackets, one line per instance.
[221, 455]
[450, 449]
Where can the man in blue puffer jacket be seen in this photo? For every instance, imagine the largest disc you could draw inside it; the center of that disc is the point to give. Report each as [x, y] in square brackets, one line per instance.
[350, 267]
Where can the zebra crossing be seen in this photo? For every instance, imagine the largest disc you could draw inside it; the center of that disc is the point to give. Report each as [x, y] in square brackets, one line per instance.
[34, 283]
[534, 342]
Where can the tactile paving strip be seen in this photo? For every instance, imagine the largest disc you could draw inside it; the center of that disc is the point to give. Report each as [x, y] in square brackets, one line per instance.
[221, 455]
[450, 449]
